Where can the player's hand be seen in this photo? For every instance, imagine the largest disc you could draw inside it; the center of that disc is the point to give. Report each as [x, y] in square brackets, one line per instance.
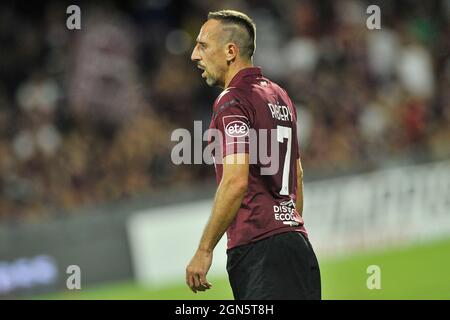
[197, 269]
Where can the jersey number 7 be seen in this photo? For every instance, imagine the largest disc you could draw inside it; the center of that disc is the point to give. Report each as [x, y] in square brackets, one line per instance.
[285, 133]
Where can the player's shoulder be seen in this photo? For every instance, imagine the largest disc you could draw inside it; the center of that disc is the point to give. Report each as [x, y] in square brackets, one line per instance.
[233, 100]
[279, 88]
[229, 94]
[281, 91]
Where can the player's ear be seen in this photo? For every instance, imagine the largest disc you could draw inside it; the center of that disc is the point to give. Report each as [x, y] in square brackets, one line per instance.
[231, 52]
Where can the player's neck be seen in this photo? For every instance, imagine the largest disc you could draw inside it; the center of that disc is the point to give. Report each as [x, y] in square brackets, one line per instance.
[234, 69]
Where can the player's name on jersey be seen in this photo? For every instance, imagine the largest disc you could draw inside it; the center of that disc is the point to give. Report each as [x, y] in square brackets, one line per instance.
[282, 113]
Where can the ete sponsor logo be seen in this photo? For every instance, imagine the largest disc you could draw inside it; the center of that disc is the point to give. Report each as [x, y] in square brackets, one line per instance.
[236, 129]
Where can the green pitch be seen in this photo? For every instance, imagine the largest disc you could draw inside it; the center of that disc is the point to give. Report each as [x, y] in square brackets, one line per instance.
[415, 272]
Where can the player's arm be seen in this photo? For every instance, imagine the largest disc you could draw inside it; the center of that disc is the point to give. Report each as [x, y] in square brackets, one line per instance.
[227, 201]
[299, 202]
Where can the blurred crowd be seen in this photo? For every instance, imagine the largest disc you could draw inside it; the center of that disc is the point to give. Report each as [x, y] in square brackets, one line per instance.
[86, 115]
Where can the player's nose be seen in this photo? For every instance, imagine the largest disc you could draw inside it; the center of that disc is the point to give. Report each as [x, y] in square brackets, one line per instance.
[194, 55]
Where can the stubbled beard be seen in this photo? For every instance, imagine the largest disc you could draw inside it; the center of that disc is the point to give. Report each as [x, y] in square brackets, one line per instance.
[213, 82]
[210, 81]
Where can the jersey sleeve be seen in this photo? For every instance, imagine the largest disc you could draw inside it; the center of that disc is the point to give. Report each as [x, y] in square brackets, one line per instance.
[234, 120]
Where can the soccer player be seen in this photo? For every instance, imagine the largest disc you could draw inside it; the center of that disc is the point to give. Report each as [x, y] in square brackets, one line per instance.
[268, 252]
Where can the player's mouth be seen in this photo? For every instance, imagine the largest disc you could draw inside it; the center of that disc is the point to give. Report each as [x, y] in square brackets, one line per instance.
[204, 70]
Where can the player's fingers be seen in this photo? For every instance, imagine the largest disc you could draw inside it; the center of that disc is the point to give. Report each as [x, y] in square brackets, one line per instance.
[187, 277]
[201, 288]
[204, 282]
[189, 284]
[190, 280]
[196, 280]
[192, 284]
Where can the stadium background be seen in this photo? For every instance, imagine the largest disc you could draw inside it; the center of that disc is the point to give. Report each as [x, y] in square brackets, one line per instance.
[86, 118]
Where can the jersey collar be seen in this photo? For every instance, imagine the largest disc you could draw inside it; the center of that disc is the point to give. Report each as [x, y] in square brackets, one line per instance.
[251, 71]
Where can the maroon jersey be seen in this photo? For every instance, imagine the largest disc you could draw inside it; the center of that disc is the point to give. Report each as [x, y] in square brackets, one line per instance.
[251, 103]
